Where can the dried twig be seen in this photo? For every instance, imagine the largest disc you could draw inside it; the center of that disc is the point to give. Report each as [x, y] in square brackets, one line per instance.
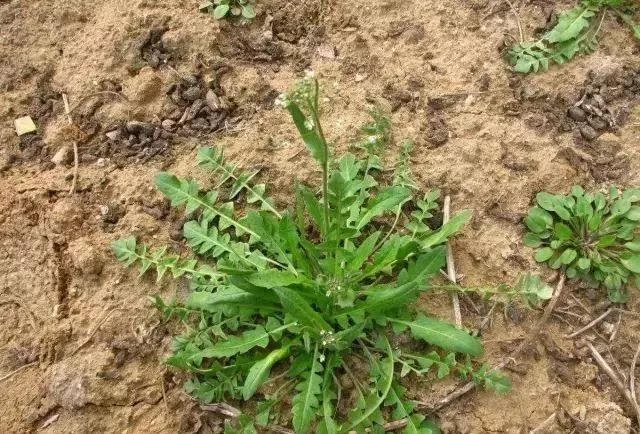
[590, 325]
[396, 424]
[72, 190]
[278, 429]
[12, 373]
[222, 408]
[95, 330]
[87, 97]
[544, 426]
[50, 421]
[460, 94]
[579, 303]
[485, 320]
[616, 380]
[23, 306]
[164, 395]
[616, 328]
[632, 374]
[466, 388]
[451, 268]
[515, 14]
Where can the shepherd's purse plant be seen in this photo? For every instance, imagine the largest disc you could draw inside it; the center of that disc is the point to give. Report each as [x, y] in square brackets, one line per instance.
[592, 237]
[310, 303]
[576, 32]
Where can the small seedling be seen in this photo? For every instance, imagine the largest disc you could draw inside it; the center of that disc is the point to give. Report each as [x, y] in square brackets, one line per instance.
[577, 32]
[298, 303]
[230, 8]
[592, 237]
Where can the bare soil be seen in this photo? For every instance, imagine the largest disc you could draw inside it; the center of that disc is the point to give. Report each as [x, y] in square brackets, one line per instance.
[150, 81]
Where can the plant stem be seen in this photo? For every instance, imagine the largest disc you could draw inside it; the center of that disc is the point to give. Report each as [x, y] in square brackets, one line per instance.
[325, 159]
[386, 237]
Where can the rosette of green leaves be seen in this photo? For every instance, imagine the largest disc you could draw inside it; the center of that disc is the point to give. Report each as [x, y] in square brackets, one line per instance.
[229, 8]
[593, 237]
[284, 300]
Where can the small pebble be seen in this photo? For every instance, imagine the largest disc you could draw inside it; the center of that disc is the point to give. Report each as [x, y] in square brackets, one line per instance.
[588, 132]
[113, 135]
[192, 94]
[577, 114]
[168, 124]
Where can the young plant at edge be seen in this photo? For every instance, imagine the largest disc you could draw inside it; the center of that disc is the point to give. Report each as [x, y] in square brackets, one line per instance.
[592, 237]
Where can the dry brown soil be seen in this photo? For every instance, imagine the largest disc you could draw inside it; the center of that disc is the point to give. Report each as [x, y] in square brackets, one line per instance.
[79, 327]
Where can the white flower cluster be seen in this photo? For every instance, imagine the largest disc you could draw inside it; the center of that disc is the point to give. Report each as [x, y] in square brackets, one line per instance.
[309, 124]
[326, 338]
[333, 289]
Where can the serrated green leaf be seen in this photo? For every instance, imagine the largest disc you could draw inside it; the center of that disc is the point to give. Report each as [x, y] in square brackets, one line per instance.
[363, 251]
[387, 200]
[186, 192]
[443, 334]
[274, 278]
[306, 402]
[383, 300]
[259, 372]
[570, 24]
[386, 371]
[447, 230]
[296, 306]
[250, 339]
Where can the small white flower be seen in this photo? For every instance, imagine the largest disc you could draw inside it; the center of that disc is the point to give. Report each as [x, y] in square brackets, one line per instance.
[309, 124]
[321, 358]
[282, 100]
[373, 139]
[310, 73]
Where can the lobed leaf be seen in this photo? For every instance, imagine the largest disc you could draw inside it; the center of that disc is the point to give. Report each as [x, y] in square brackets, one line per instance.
[442, 334]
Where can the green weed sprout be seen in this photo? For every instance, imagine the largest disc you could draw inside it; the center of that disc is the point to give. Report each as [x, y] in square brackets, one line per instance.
[577, 32]
[592, 237]
[229, 8]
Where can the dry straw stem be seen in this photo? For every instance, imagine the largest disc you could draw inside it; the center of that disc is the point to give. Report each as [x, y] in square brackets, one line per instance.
[67, 110]
[12, 373]
[20, 304]
[590, 325]
[616, 380]
[466, 388]
[632, 375]
[95, 330]
[545, 426]
[515, 14]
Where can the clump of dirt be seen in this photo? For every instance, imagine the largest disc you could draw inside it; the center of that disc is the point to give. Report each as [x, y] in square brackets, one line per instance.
[144, 44]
